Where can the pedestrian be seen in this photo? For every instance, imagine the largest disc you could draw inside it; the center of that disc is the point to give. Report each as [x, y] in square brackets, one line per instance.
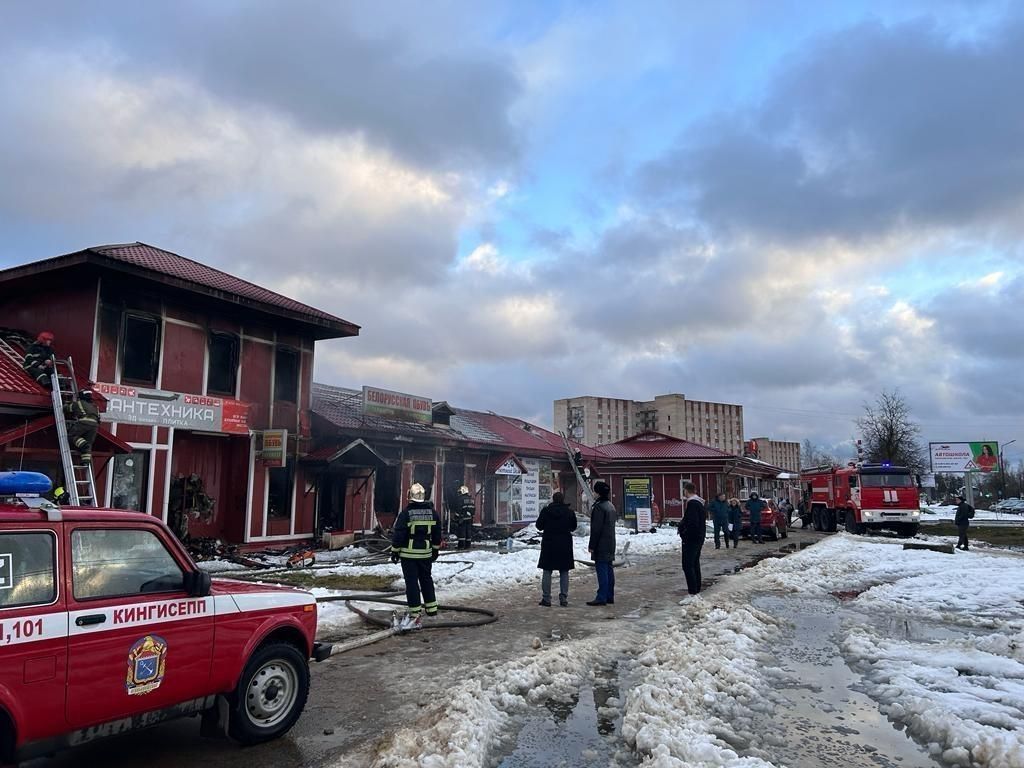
[735, 520]
[463, 513]
[602, 544]
[556, 523]
[38, 361]
[692, 530]
[83, 421]
[964, 513]
[720, 519]
[755, 506]
[415, 543]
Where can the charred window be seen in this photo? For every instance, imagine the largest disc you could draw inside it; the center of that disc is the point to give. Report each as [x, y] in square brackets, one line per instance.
[280, 491]
[222, 368]
[140, 353]
[386, 491]
[286, 375]
[424, 475]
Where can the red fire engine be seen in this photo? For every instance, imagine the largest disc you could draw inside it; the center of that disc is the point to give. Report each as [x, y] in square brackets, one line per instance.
[859, 497]
[107, 625]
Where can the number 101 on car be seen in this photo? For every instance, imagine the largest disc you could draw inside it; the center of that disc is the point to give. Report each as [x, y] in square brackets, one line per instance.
[20, 629]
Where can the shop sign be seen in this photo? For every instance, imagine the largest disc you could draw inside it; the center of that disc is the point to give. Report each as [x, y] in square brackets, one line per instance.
[397, 405]
[508, 468]
[534, 490]
[964, 457]
[274, 452]
[637, 497]
[162, 408]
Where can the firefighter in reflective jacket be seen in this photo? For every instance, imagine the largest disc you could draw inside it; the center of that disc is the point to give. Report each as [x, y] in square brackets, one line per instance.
[463, 512]
[39, 359]
[415, 542]
[83, 421]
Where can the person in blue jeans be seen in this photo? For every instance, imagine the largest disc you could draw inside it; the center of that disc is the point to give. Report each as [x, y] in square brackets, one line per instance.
[755, 507]
[602, 544]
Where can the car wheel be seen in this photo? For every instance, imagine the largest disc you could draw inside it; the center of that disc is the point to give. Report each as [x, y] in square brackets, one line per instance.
[785, 533]
[271, 694]
[775, 531]
[816, 519]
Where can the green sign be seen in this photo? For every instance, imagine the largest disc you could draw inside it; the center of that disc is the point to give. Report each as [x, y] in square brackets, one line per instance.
[636, 500]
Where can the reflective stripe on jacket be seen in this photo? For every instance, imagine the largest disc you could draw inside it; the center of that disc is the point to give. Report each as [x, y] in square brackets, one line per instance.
[417, 531]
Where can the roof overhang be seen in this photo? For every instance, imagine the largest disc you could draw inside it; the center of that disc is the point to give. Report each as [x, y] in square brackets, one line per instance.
[506, 462]
[43, 422]
[356, 454]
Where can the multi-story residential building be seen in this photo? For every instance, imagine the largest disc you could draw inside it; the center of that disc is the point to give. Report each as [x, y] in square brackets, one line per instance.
[602, 420]
[780, 453]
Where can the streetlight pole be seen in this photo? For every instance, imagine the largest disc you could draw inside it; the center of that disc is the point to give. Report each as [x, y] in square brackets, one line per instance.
[1002, 463]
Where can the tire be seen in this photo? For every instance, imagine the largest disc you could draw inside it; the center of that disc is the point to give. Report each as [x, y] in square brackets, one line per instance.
[816, 519]
[907, 530]
[775, 532]
[830, 521]
[271, 694]
[849, 522]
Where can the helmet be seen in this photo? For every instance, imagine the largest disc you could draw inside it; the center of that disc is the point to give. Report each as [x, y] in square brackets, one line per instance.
[44, 337]
[417, 492]
[463, 489]
[85, 394]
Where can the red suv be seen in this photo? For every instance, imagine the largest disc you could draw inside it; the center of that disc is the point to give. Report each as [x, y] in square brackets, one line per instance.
[773, 521]
[107, 625]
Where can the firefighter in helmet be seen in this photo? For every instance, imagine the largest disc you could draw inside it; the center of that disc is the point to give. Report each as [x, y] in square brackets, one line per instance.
[83, 421]
[463, 511]
[38, 361]
[415, 543]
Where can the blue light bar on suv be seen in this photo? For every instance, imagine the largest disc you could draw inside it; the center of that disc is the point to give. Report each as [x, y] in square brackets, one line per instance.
[24, 483]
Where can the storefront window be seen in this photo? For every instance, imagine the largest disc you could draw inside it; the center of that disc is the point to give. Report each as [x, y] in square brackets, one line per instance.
[280, 492]
[131, 481]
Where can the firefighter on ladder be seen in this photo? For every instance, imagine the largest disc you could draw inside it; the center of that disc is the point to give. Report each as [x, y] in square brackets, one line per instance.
[83, 421]
[464, 511]
[415, 543]
[39, 359]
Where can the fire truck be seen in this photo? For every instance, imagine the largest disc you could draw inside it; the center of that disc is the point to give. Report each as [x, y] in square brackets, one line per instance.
[861, 496]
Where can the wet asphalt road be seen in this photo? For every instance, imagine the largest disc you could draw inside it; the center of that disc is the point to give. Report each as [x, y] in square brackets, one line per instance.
[359, 698]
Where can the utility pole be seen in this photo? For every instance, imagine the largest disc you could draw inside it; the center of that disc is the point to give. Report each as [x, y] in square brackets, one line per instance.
[1002, 464]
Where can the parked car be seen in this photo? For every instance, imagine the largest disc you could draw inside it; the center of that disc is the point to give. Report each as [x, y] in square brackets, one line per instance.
[106, 625]
[773, 521]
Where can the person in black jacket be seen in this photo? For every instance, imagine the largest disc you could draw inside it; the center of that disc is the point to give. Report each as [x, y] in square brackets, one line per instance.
[720, 519]
[83, 421]
[602, 544]
[416, 542]
[692, 529]
[964, 513]
[556, 523]
[39, 359]
[463, 511]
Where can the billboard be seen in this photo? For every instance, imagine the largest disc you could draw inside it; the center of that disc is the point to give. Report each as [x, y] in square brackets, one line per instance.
[982, 456]
[162, 408]
[396, 405]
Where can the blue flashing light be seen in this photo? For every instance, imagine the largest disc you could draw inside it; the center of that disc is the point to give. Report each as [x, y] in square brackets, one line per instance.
[15, 483]
[886, 463]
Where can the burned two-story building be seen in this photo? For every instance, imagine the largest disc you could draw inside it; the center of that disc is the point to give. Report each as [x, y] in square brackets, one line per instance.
[205, 380]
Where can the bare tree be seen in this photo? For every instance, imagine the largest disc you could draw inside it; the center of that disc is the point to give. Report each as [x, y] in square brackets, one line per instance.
[812, 455]
[889, 434]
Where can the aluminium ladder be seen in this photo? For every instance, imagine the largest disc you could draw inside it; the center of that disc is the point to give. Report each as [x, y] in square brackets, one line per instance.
[78, 478]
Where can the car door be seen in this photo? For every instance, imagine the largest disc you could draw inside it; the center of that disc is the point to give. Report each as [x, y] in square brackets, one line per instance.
[137, 641]
[33, 629]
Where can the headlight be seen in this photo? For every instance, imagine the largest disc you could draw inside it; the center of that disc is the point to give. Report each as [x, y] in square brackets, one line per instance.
[867, 514]
[915, 513]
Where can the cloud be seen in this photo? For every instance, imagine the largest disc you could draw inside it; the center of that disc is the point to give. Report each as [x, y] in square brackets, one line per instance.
[872, 130]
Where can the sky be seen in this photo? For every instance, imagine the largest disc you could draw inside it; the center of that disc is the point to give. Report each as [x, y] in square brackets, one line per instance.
[784, 207]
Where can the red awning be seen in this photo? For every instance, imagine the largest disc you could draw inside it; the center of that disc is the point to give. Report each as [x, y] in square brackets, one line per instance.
[43, 422]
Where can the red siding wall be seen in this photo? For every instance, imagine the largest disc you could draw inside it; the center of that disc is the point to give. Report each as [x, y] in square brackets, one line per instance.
[66, 309]
[257, 361]
[184, 358]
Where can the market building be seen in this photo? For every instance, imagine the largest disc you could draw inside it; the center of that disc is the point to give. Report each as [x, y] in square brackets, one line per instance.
[206, 380]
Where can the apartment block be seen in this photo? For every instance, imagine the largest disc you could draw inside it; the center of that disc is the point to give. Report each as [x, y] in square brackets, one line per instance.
[601, 420]
[780, 453]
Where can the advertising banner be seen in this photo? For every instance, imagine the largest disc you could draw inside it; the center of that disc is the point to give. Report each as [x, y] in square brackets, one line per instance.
[162, 408]
[274, 452]
[980, 456]
[396, 405]
[636, 496]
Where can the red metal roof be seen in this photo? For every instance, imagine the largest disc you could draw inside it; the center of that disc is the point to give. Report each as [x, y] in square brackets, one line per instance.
[518, 434]
[189, 275]
[655, 445]
[18, 388]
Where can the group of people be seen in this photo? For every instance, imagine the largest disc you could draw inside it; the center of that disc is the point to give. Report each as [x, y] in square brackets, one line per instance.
[81, 413]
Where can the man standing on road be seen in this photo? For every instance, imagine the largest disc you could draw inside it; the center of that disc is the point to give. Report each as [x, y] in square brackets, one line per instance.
[755, 506]
[964, 513]
[692, 529]
[602, 544]
[735, 521]
[415, 542]
[720, 519]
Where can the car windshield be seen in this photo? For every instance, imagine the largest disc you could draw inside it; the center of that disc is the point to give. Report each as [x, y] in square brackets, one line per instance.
[887, 481]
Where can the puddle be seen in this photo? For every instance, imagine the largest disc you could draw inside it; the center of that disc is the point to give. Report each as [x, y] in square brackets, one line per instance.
[578, 733]
[831, 724]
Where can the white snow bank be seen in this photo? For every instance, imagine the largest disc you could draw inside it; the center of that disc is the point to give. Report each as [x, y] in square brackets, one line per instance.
[705, 689]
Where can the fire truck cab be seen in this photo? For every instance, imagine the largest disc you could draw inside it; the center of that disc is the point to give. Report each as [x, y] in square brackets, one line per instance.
[859, 497]
[106, 625]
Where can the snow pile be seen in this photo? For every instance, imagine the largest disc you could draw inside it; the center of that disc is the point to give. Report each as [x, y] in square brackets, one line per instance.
[705, 690]
[474, 719]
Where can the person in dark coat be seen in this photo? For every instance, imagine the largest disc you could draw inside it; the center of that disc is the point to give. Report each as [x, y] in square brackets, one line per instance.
[720, 519]
[692, 530]
[38, 361]
[735, 520]
[602, 544]
[964, 513]
[755, 507]
[556, 523]
[415, 542]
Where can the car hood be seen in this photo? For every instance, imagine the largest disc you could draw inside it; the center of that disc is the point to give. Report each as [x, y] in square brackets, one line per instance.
[234, 587]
